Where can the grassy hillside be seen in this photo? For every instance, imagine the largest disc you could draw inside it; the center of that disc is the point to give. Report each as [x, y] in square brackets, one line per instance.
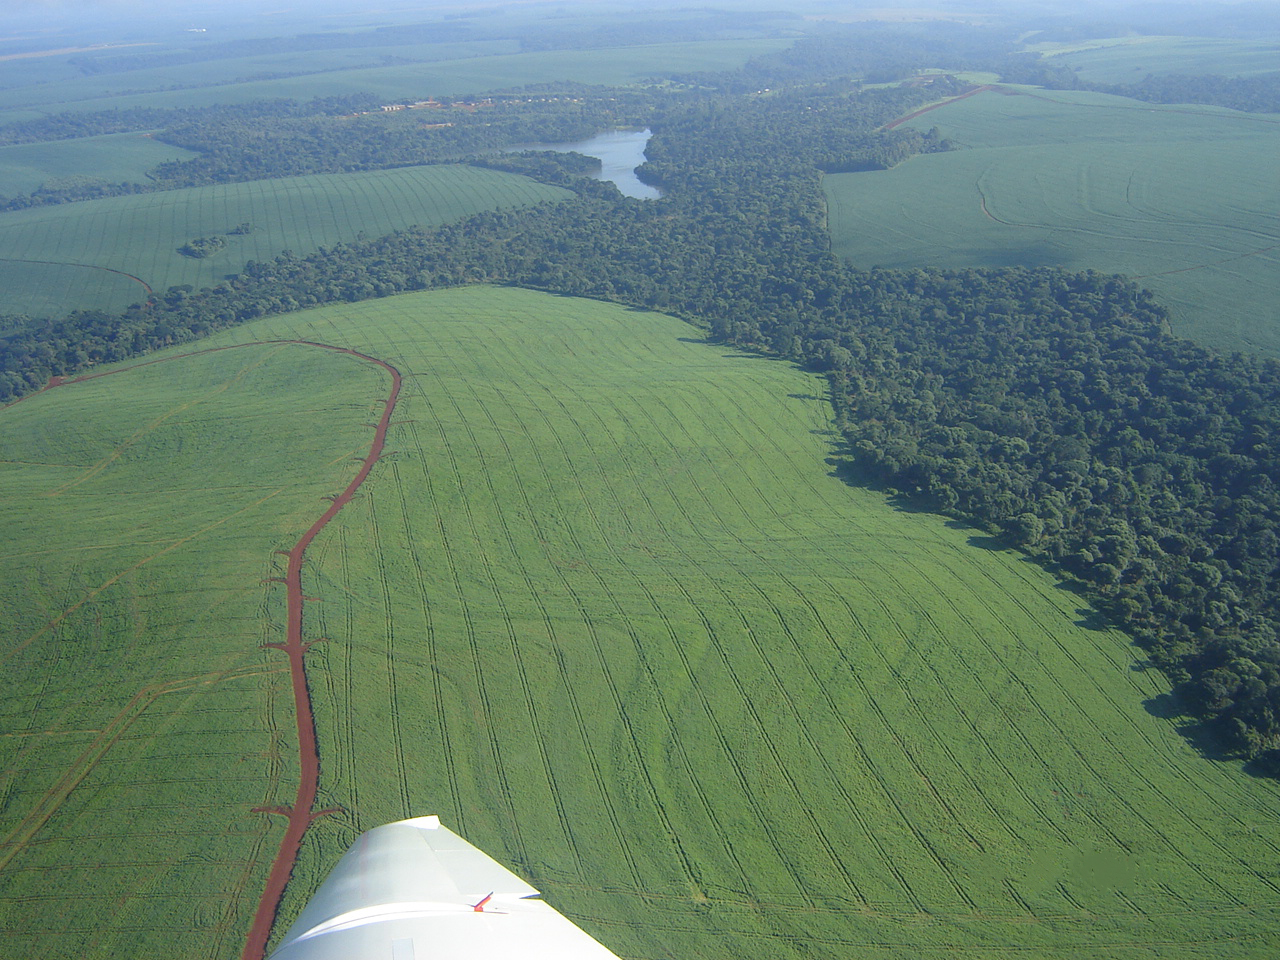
[94, 247]
[602, 609]
[1129, 59]
[1183, 198]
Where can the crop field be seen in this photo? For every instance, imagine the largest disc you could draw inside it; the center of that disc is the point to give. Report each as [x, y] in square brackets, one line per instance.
[52, 81]
[1184, 199]
[105, 253]
[1130, 59]
[602, 608]
[128, 156]
[475, 74]
[142, 722]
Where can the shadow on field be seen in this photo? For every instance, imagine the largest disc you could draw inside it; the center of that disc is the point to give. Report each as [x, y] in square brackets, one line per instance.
[1029, 255]
[1200, 736]
[1171, 707]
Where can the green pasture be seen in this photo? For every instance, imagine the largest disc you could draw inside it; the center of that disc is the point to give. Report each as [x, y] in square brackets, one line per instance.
[603, 608]
[395, 82]
[139, 236]
[1130, 59]
[119, 157]
[1185, 199]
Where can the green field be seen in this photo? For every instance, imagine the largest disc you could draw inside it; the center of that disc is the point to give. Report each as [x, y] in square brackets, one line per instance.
[395, 83]
[119, 157]
[1186, 199]
[1130, 59]
[60, 80]
[602, 608]
[59, 258]
[141, 721]
[52, 80]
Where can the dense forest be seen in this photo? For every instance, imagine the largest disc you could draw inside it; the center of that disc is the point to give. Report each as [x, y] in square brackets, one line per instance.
[1256, 94]
[1050, 407]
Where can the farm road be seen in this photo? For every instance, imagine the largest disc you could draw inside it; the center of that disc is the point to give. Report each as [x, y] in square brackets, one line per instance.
[301, 814]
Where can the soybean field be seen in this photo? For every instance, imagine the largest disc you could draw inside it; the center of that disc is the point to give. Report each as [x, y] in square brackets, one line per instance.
[106, 254]
[143, 721]
[481, 68]
[603, 607]
[1184, 199]
[1130, 59]
[117, 157]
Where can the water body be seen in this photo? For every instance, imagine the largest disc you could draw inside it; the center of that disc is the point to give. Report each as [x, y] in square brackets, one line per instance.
[619, 152]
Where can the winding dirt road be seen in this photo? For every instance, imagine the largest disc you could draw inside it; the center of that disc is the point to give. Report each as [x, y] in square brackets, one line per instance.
[302, 813]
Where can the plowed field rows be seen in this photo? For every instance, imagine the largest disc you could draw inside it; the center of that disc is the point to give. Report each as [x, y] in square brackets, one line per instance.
[601, 608]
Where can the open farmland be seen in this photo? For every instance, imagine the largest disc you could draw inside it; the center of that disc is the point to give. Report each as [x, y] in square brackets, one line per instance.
[1129, 59]
[105, 253]
[119, 157]
[600, 608]
[1185, 199]
[475, 74]
[58, 79]
[142, 722]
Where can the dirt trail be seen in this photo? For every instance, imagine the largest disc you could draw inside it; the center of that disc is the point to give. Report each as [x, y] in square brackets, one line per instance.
[302, 813]
[87, 266]
[935, 106]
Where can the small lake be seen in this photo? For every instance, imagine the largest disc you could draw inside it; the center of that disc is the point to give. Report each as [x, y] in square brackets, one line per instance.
[619, 152]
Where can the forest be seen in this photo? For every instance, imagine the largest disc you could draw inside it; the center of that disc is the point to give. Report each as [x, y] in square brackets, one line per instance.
[1054, 409]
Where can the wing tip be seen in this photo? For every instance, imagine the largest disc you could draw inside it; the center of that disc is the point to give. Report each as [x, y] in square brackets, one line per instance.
[429, 822]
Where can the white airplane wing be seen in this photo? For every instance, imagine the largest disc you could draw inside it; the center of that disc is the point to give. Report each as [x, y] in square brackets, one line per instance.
[414, 890]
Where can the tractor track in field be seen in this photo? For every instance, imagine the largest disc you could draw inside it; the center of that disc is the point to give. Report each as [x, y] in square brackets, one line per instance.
[301, 814]
[87, 266]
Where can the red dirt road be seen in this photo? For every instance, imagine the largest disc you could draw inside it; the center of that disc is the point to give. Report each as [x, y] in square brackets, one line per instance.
[935, 106]
[302, 813]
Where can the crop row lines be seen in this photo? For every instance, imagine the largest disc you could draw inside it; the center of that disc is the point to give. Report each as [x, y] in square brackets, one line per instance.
[588, 621]
[389, 652]
[1103, 737]
[515, 554]
[1141, 731]
[433, 654]
[504, 793]
[532, 512]
[679, 647]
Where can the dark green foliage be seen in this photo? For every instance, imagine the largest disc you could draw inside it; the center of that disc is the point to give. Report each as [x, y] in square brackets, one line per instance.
[1256, 94]
[202, 247]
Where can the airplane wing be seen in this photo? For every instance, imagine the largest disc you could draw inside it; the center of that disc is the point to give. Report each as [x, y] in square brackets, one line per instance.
[414, 890]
